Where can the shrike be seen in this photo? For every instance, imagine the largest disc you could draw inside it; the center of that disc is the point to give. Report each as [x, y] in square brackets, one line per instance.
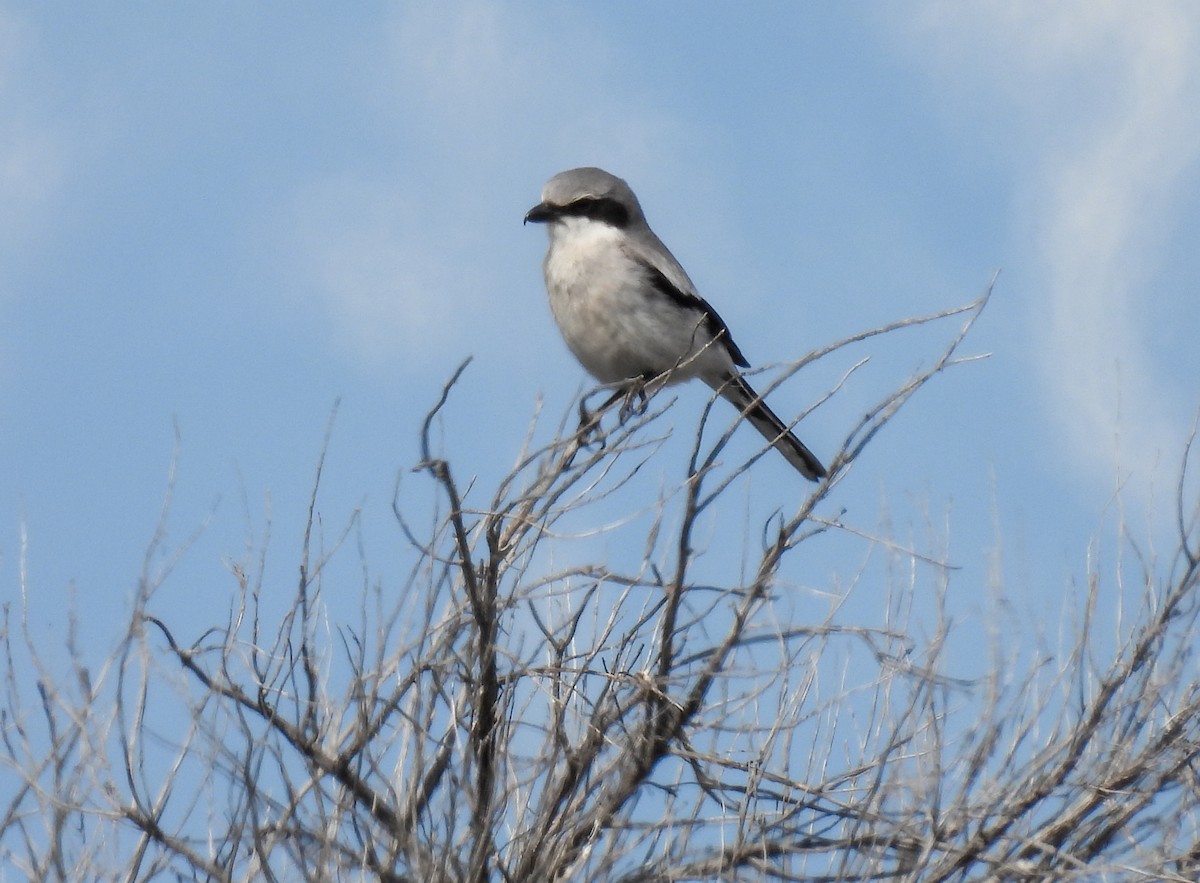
[627, 309]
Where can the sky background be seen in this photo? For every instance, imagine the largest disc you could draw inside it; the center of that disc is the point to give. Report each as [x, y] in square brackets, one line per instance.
[220, 218]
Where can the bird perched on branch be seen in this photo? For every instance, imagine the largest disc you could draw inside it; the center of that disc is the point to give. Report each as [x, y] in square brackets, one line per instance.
[629, 312]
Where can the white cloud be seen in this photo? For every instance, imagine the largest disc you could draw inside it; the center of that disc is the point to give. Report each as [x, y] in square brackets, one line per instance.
[488, 82]
[1109, 205]
[364, 252]
[1098, 103]
[32, 157]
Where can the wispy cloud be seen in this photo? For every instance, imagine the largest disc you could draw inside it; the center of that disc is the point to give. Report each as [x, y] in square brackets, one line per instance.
[366, 255]
[32, 156]
[1098, 101]
[1109, 206]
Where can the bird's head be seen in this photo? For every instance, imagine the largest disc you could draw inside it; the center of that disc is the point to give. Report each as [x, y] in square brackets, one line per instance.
[589, 193]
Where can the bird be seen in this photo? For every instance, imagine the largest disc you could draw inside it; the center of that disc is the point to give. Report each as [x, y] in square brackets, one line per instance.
[629, 312]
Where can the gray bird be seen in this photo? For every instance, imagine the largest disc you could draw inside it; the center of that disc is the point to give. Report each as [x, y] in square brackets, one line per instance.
[627, 309]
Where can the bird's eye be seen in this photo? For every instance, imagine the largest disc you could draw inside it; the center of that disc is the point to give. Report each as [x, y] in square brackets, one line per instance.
[605, 210]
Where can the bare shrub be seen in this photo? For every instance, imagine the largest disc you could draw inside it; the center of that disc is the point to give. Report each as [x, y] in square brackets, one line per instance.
[509, 710]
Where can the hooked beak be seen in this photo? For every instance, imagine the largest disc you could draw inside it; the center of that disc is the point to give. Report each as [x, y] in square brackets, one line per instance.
[541, 213]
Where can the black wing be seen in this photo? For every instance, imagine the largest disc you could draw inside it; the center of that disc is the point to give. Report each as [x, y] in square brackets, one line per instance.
[715, 324]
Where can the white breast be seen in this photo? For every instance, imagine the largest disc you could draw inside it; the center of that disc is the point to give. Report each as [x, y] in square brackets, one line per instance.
[616, 324]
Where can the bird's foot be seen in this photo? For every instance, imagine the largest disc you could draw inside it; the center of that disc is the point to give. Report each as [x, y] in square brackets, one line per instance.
[635, 401]
[589, 421]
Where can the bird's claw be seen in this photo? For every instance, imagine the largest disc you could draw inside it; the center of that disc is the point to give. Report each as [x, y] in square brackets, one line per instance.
[635, 401]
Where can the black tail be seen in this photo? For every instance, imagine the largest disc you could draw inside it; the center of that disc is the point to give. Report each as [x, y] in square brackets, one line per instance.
[738, 392]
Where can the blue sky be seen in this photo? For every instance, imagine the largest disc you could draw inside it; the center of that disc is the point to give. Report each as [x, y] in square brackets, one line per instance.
[224, 217]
